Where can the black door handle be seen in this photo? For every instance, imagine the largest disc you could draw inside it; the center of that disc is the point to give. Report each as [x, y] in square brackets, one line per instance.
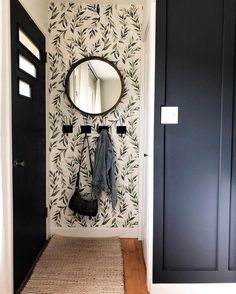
[18, 163]
[145, 155]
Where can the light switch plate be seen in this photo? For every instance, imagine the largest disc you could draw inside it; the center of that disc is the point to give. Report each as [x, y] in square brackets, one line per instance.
[169, 115]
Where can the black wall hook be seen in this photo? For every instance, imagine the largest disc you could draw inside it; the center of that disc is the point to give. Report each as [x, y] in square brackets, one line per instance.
[85, 129]
[121, 129]
[102, 128]
[66, 129]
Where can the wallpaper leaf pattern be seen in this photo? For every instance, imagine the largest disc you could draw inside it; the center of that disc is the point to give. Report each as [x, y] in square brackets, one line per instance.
[113, 32]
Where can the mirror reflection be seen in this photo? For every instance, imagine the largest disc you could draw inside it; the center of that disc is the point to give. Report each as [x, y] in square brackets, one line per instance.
[94, 86]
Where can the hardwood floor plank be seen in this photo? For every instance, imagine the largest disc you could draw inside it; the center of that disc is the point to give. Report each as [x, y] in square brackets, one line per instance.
[134, 267]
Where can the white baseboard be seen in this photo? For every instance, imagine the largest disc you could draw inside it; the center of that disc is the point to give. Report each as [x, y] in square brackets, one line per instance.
[193, 288]
[96, 232]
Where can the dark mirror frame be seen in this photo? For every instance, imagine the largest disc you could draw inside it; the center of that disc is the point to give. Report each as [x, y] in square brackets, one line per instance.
[74, 65]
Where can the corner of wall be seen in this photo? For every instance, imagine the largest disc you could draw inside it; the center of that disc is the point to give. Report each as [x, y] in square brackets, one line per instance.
[38, 11]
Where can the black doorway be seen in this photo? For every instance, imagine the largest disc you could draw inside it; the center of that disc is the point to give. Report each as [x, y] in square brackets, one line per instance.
[195, 199]
[28, 135]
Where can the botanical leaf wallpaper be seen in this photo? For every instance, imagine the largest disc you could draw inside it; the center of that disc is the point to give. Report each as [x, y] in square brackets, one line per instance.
[112, 32]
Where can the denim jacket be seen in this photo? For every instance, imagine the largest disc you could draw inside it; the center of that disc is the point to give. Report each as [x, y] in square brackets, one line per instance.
[104, 169]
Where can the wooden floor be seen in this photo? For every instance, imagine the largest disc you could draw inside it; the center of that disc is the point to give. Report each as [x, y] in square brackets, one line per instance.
[134, 267]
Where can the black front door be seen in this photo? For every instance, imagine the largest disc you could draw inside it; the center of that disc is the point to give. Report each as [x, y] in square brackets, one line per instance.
[195, 197]
[28, 131]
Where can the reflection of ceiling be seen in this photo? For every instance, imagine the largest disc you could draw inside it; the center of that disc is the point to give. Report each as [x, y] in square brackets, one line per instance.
[104, 70]
[119, 2]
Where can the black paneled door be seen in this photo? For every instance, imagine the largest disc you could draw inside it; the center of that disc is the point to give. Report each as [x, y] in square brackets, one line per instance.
[28, 131]
[195, 163]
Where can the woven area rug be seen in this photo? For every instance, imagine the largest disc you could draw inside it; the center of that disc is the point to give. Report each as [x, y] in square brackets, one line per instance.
[78, 266]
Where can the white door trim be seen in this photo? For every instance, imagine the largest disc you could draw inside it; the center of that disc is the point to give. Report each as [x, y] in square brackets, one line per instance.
[193, 288]
[142, 122]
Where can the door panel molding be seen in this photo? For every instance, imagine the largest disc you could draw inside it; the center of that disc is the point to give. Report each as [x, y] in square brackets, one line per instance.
[188, 72]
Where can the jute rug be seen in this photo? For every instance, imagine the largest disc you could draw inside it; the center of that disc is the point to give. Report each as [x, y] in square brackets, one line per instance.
[78, 266]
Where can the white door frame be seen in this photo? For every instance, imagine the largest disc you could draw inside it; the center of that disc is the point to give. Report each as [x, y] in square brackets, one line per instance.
[147, 135]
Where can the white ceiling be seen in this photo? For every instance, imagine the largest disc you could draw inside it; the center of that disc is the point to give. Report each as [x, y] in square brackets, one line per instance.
[104, 70]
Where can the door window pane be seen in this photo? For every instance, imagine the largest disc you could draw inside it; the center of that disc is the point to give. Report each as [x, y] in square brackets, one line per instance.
[27, 66]
[25, 40]
[24, 89]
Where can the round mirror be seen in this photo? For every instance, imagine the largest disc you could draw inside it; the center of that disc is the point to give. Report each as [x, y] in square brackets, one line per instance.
[94, 85]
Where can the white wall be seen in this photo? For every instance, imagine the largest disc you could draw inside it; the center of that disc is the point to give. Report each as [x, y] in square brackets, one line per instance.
[6, 251]
[147, 133]
[38, 10]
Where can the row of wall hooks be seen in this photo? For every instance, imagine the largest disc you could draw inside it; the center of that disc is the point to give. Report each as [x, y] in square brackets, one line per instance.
[86, 129]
